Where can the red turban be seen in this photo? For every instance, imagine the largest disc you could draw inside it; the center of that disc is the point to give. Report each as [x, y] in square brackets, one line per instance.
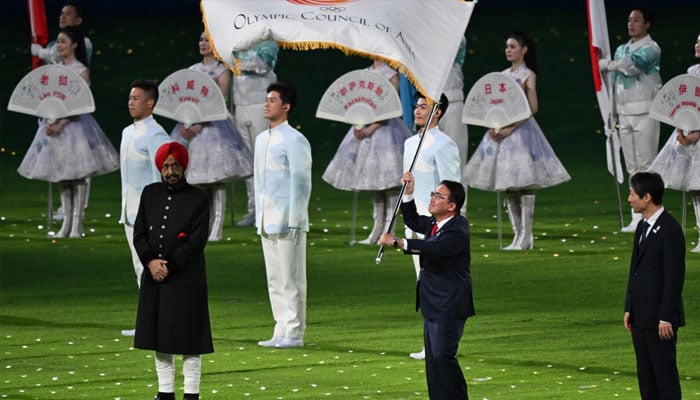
[175, 149]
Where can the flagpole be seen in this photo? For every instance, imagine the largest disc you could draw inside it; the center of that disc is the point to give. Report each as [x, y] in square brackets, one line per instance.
[617, 180]
[380, 254]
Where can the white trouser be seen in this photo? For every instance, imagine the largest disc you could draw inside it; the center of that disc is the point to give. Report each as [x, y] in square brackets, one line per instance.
[138, 267]
[639, 139]
[250, 122]
[416, 258]
[285, 264]
[165, 370]
[451, 124]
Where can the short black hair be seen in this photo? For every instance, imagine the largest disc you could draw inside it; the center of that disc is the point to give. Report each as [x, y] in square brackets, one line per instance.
[648, 182]
[149, 87]
[442, 105]
[457, 194]
[79, 10]
[648, 14]
[288, 94]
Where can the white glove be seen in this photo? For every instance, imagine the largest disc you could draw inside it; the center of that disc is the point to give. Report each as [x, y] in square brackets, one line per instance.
[36, 49]
[255, 65]
[614, 65]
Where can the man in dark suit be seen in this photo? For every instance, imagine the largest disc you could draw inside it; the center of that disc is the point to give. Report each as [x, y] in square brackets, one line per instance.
[444, 292]
[654, 305]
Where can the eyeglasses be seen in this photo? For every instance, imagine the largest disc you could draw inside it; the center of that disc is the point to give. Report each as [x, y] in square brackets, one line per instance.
[438, 195]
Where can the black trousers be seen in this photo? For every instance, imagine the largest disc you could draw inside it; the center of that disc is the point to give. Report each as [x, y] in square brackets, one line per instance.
[657, 370]
[445, 377]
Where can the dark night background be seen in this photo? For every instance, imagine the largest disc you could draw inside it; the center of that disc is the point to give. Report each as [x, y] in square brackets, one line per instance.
[135, 39]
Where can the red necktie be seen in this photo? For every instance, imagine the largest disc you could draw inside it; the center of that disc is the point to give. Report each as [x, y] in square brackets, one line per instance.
[435, 228]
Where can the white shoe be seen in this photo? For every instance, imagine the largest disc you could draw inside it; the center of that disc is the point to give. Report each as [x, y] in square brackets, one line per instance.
[418, 356]
[272, 342]
[288, 343]
[129, 332]
[247, 220]
[367, 241]
[696, 249]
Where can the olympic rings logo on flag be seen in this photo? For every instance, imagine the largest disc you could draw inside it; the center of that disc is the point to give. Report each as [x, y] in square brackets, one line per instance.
[332, 9]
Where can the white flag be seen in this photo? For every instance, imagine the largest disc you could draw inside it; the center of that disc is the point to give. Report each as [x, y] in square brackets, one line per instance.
[418, 38]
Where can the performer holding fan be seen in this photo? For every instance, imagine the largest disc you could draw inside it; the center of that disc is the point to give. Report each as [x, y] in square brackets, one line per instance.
[678, 161]
[370, 155]
[517, 158]
[217, 151]
[69, 145]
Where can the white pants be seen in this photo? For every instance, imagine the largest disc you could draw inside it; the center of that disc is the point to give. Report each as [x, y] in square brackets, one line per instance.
[451, 123]
[285, 264]
[138, 267]
[191, 370]
[250, 122]
[639, 139]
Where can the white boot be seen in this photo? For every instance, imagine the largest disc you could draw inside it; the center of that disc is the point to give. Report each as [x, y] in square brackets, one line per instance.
[379, 218]
[67, 205]
[80, 189]
[514, 214]
[218, 208]
[632, 227]
[527, 205]
[696, 207]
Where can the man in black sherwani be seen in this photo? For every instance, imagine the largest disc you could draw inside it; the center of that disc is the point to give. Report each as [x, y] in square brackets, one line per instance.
[170, 233]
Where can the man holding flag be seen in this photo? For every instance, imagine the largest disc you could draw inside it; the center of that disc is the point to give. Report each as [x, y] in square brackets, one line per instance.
[71, 15]
[636, 81]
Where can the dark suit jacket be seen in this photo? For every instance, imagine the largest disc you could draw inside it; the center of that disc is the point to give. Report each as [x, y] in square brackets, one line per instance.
[445, 286]
[657, 271]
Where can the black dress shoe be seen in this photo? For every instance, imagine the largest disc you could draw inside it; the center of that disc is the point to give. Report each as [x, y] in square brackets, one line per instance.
[165, 396]
[191, 396]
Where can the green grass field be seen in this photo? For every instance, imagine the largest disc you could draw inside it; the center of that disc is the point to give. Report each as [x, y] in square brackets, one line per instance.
[549, 320]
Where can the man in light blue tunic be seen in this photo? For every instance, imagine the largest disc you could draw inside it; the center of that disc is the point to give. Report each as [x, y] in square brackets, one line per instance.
[257, 66]
[282, 177]
[140, 142]
[636, 81]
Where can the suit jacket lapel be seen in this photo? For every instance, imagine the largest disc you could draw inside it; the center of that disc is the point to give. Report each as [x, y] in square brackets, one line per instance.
[637, 249]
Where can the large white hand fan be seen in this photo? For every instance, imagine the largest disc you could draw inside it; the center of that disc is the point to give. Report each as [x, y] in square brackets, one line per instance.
[52, 92]
[678, 103]
[495, 101]
[359, 98]
[190, 97]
